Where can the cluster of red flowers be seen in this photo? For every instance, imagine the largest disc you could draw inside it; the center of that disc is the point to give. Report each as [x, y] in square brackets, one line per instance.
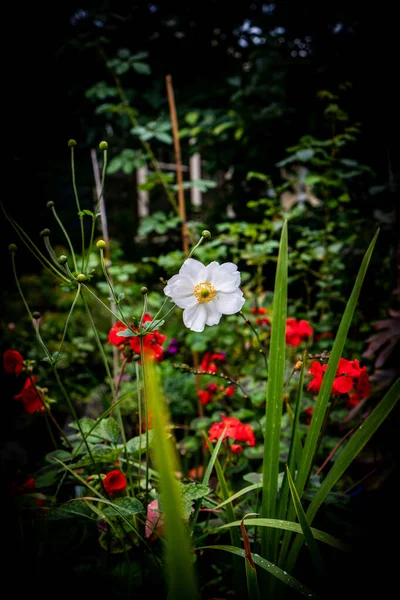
[235, 430]
[30, 395]
[114, 482]
[350, 379]
[152, 342]
[210, 360]
[260, 311]
[206, 396]
[297, 331]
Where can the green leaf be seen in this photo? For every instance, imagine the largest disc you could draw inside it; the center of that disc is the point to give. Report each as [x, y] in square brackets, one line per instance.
[142, 68]
[191, 492]
[125, 506]
[275, 384]
[139, 442]
[109, 430]
[268, 566]
[72, 510]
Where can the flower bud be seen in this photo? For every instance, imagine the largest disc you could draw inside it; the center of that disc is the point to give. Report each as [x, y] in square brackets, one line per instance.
[206, 234]
[103, 145]
[298, 365]
[62, 259]
[143, 290]
[101, 244]
[71, 143]
[36, 314]
[12, 248]
[45, 233]
[50, 204]
[81, 277]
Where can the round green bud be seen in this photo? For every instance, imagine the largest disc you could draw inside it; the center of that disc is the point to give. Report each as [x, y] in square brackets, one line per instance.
[143, 290]
[81, 277]
[12, 248]
[103, 145]
[36, 314]
[50, 204]
[71, 143]
[45, 233]
[62, 259]
[101, 244]
[206, 234]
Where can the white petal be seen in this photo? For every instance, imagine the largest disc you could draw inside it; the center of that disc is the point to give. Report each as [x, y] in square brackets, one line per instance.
[194, 317]
[213, 315]
[185, 301]
[229, 304]
[226, 278]
[211, 271]
[194, 270]
[178, 285]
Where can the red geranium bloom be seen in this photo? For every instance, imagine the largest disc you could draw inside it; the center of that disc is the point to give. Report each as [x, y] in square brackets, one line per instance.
[208, 363]
[114, 482]
[13, 361]
[230, 390]
[207, 395]
[297, 331]
[349, 376]
[152, 342]
[236, 448]
[114, 338]
[260, 311]
[235, 429]
[363, 389]
[30, 397]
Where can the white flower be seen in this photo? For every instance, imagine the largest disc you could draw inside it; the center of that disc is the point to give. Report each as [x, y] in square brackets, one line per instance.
[205, 293]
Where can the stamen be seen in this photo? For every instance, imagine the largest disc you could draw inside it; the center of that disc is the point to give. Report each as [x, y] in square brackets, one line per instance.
[204, 292]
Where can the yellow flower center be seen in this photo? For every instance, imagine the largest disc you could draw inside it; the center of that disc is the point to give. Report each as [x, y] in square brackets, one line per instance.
[204, 292]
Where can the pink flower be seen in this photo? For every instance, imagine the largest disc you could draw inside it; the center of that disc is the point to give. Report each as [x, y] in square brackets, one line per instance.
[154, 526]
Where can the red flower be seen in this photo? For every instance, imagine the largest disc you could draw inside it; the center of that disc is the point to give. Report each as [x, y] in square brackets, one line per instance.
[260, 311]
[208, 362]
[114, 482]
[349, 376]
[363, 389]
[114, 338]
[152, 342]
[13, 361]
[297, 331]
[230, 390]
[235, 429]
[207, 395]
[236, 448]
[30, 397]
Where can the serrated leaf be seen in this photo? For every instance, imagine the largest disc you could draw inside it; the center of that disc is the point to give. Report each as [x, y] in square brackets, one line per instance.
[139, 442]
[109, 430]
[72, 510]
[125, 506]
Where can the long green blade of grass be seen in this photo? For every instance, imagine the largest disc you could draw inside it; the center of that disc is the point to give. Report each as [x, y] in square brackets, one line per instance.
[350, 451]
[307, 532]
[321, 406]
[179, 555]
[267, 566]
[273, 408]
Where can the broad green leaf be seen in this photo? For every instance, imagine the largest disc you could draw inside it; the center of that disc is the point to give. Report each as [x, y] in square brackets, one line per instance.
[138, 443]
[125, 506]
[109, 430]
[72, 510]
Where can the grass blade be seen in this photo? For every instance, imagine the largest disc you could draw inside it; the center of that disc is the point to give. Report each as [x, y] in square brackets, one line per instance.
[273, 409]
